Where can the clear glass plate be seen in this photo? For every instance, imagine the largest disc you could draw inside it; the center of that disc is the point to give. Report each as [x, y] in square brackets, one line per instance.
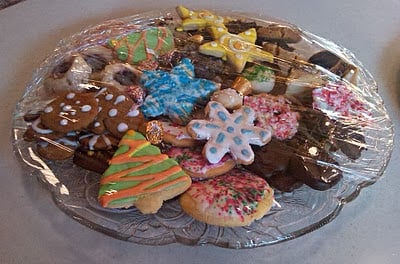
[295, 213]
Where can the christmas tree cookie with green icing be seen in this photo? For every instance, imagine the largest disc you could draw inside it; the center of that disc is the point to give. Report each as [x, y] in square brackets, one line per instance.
[144, 45]
[140, 175]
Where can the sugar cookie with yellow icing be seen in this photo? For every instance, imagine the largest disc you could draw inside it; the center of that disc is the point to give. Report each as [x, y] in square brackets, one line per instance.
[236, 49]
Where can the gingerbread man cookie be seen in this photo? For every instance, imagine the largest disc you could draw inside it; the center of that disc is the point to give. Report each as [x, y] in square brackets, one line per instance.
[228, 133]
[70, 111]
[117, 112]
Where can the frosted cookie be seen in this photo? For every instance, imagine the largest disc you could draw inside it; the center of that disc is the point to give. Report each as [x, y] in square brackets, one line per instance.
[339, 99]
[193, 162]
[236, 198]
[71, 75]
[236, 49]
[117, 112]
[274, 111]
[229, 98]
[147, 44]
[195, 20]
[176, 135]
[70, 111]
[228, 133]
[262, 78]
[175, 93]
[139, 175]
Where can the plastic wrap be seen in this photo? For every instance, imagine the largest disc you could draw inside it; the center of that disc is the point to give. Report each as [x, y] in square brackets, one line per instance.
[331, 134]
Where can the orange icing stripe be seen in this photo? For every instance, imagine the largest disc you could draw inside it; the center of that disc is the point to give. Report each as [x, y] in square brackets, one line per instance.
[137, 190]
[147, 180]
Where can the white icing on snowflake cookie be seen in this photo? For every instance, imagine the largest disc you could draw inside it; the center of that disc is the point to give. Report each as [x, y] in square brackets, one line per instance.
[228, 133]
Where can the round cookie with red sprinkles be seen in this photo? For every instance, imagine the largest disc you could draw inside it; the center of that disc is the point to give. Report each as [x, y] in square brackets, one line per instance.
[236, 198]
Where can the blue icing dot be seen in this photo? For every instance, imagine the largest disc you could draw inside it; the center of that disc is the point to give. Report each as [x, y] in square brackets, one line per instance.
[213, 150]
[245, 152]
[246, 131]
[214, 105]
[212, 126]
[238, 119]
[222, 116]
[196, 125]
[237, 140]
[247, 110]
[263, 134]
[220, 138]
[230, 129]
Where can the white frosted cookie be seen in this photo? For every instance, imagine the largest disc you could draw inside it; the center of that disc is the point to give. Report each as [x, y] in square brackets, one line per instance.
[228, 133]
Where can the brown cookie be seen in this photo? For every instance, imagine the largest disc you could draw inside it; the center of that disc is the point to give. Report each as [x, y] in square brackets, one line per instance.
[93, 141]
[117, 112]
[37, 130]
[96, 160]
[278, 33]
[70, 112]
[69, 75]
[59, 149]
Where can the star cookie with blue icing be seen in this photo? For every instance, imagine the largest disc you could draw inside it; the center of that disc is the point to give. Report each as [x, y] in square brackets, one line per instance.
[236, 49]
[228, 133]
[194, 20]
[175, 93]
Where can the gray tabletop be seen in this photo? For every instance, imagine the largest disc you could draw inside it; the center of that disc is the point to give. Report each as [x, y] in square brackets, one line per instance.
[34, 230]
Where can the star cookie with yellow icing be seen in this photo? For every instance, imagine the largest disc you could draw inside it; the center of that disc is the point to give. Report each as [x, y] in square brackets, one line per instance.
[236, 49]
[192, 20]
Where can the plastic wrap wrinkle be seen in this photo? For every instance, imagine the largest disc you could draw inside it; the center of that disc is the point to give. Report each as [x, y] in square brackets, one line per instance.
[357, 144]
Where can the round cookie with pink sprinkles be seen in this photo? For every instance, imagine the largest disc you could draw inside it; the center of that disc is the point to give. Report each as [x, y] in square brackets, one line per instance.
[236, 198]
[275, 112]
[198, 167]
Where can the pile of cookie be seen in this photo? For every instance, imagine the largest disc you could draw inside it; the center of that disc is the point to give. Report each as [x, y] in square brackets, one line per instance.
[205, 107]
